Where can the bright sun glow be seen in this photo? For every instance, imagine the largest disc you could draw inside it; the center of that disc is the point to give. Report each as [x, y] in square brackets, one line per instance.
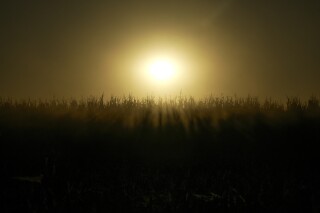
[162, 69]
[161, 73]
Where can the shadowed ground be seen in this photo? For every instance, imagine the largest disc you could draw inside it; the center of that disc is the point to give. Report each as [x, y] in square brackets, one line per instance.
[180, 155]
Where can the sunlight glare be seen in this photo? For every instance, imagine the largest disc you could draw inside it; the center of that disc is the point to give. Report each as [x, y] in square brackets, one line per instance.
[162, 69]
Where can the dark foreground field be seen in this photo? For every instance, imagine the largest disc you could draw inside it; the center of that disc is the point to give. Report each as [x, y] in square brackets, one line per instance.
[178, 155]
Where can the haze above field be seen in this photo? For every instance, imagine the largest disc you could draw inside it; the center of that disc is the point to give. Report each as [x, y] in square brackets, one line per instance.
[80, 48]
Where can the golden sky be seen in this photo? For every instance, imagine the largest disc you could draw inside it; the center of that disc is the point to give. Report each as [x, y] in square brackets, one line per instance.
[80, 48]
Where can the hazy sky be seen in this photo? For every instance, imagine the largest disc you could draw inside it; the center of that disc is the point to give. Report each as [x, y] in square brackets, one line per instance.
[79, 47]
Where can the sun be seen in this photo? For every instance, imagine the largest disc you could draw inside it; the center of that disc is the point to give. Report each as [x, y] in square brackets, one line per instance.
[162, 69]
[161, 72]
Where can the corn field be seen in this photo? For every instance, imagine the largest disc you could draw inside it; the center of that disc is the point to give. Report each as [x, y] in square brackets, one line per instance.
[179, 154]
